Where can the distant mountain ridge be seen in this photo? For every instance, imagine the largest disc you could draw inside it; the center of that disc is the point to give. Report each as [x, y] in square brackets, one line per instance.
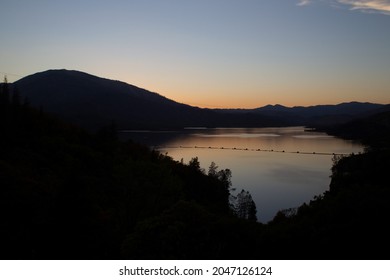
[317, 114]
[93, 102]
[317, 110]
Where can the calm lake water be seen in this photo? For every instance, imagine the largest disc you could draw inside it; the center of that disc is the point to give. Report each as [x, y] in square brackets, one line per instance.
[280, 167]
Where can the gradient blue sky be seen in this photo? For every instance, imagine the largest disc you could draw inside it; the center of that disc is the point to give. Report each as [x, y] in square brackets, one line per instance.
[209, 53]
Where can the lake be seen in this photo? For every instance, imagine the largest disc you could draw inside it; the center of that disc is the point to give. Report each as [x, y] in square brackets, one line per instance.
[281, 167]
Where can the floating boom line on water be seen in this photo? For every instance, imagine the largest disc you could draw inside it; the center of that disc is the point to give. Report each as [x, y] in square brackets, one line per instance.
[250, 150]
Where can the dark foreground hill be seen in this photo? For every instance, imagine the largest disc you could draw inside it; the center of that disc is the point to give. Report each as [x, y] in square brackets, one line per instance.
[69, 194]
[93, 102]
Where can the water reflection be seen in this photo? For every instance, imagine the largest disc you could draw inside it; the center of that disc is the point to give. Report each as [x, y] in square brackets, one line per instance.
[277, 180]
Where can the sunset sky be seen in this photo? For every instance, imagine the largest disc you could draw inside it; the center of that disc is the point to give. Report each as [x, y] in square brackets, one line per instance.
[209, 53]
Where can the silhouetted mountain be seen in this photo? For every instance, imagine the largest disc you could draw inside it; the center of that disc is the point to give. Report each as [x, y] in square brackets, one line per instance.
[93, 102]
[321, 114]
[313, 115]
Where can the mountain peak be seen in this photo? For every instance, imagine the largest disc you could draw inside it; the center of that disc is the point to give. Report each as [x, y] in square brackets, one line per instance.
[273, 107]
[92, 101]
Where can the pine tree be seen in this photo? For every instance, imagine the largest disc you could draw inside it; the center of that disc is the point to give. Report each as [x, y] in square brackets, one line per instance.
[245, 207]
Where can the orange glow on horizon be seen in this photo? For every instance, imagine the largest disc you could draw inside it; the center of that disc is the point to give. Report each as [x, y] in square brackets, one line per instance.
[247, 101]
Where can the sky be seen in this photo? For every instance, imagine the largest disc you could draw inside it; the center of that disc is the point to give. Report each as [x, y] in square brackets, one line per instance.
[209, 53]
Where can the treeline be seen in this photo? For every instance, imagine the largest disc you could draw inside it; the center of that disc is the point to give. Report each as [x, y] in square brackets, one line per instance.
[69, 194]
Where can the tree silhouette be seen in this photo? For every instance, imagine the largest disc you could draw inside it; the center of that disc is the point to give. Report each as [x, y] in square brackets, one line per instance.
[4, 92]
[213, 169]
[195, 164]
[245, 207]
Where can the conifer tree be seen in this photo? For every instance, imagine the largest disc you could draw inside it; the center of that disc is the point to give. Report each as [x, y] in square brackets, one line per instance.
[4, 93]
[245, 206]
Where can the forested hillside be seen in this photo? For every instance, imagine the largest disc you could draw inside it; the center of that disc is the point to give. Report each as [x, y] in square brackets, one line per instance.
[348, 220]
[69, 194]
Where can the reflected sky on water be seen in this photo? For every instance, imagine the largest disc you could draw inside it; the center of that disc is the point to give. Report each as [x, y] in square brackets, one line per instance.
[280, 167]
